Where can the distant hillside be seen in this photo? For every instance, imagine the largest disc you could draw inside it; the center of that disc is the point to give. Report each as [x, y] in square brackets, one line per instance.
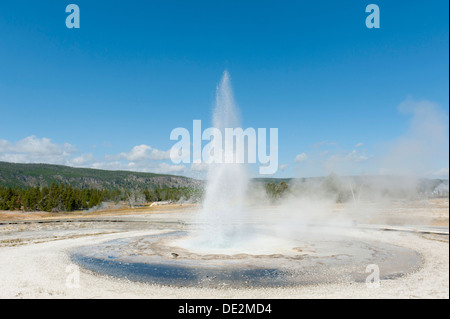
[30, 175]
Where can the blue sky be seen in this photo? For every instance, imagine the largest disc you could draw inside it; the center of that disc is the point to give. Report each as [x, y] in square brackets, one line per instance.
[345, 98]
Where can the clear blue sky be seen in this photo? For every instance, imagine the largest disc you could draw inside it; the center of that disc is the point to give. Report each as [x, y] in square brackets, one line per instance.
[135, 70]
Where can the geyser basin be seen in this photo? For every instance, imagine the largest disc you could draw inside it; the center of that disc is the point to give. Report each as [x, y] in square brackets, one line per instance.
[228, 247]
[157, 259]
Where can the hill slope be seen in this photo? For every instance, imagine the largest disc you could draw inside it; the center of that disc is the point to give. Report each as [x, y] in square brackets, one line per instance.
[30, 175]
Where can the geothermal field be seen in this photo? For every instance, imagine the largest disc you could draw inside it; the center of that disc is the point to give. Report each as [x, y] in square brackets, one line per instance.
[235, 243]
[156, 253]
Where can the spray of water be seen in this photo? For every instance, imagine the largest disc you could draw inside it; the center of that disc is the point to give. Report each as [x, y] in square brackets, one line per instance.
[222, 213]
[225, 223]
[223, 206]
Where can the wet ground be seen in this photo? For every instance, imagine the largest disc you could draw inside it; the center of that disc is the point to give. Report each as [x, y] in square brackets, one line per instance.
[299, 260]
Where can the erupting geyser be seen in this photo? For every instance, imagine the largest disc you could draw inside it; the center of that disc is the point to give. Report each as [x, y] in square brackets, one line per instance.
[222, 214]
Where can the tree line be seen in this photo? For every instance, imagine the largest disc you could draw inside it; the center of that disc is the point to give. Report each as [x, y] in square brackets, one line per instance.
[65, 198]
[51, 199]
